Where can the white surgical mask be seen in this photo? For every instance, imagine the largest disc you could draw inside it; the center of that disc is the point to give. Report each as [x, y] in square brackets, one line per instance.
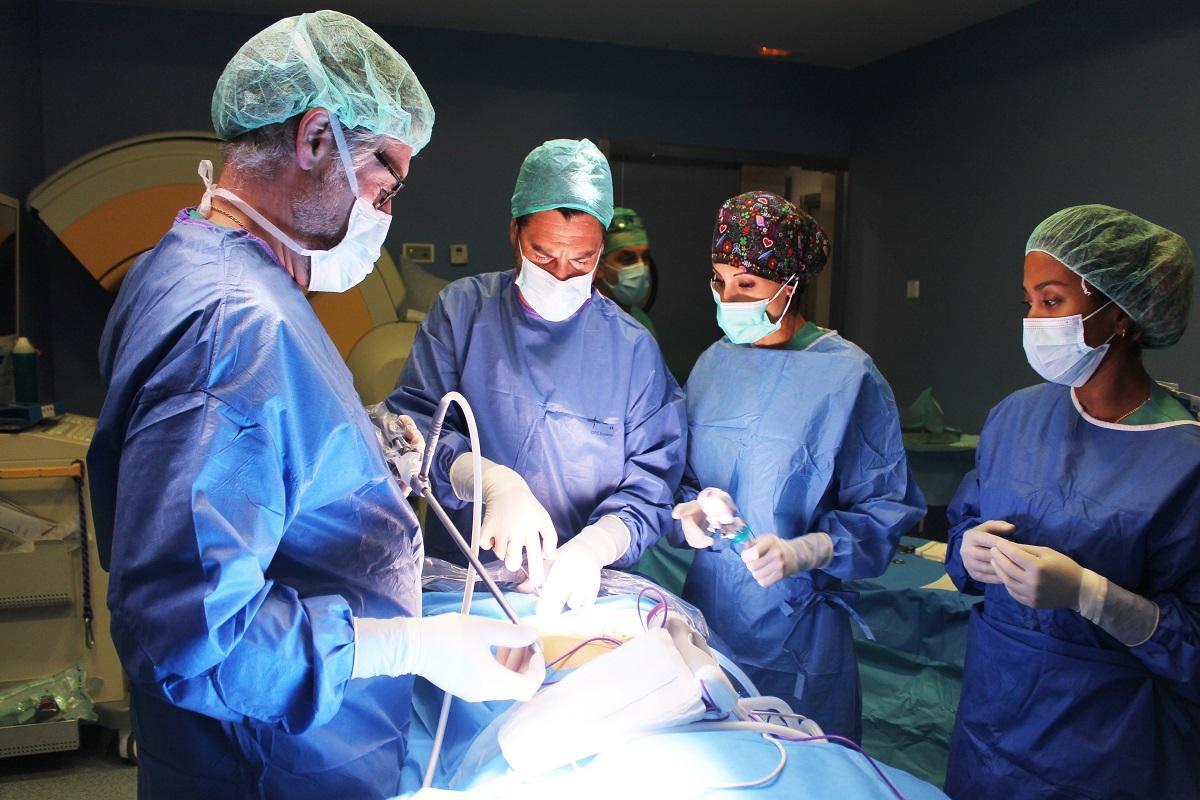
[746, 322]
[1056, 349]
[349, 261]
[552, 299]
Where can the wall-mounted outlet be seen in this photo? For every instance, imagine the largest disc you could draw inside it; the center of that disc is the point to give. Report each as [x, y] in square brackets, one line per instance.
[912, 290]
[458, 254]
[418, 253]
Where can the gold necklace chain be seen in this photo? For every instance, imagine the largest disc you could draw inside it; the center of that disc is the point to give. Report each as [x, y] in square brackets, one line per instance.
[1133, 410]
[223, 213]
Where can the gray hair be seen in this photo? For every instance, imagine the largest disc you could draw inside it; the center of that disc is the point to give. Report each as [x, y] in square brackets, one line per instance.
[258, 154]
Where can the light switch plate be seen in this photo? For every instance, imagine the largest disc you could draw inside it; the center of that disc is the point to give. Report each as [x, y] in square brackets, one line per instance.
[418, 252]
[912, 290]
[458, 254]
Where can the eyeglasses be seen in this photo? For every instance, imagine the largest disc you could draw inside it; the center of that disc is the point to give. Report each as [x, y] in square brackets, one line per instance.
[387, 196]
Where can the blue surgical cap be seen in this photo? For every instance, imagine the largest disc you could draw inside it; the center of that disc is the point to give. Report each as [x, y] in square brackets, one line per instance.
[565, 173]
[324, 60]
[1144, 268]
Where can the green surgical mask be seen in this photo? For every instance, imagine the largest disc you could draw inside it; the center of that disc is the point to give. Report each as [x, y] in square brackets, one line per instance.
[632, 286]
[747, 322]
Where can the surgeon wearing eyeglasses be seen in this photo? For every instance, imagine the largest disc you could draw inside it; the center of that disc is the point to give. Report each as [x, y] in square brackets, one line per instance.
[265, 567]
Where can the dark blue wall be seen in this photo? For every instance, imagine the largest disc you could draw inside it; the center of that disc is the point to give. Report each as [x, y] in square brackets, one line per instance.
[962, 146]
[109, 73]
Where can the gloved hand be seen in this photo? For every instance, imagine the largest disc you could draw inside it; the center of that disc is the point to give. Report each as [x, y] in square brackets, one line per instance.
[976, 549]
[574, 575]
[513, 519]
[771, 559]
[452, 651]
[693, 520]
[1038, 577]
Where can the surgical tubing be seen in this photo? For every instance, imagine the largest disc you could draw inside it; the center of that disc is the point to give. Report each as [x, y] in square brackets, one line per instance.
[476, 522]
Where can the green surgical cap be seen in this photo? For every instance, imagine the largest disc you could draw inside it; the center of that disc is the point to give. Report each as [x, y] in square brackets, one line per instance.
[565, 173]
[625, 230]
[1145, 269]
[324, 60]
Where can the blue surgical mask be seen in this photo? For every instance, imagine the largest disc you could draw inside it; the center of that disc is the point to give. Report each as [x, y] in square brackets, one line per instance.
[1056, 349]
[632, 286]
[747, 322]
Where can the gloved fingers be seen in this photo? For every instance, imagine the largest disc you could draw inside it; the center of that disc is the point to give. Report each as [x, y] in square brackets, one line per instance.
[980, 538]
[505, 634]
[514, 658]
[549, 536]
[536, 565]
[494, 681]
[514, 554]
[683, 510]
[759, 547]
[582, 595]
[694, 534]
[412, 434]
[1017, 555]
[492, 535]
[1010, 573]
[997, 526]
[553, 594]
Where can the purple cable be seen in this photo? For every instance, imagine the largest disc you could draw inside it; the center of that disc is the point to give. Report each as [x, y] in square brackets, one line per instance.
[580, 646]
[662, 604]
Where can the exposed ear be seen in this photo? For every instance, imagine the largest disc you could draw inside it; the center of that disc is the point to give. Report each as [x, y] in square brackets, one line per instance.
[314, 140]
[512, 232]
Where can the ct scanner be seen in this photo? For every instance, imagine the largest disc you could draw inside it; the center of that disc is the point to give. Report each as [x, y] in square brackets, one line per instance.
[115, 203]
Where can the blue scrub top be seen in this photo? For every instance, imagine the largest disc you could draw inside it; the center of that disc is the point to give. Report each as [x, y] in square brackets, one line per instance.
[584, 409]
[1052, 706]
[245, 513]
[805, 440]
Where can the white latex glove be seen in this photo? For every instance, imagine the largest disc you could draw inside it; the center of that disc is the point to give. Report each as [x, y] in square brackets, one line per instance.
[771, 559]
[573, 578]
[976, 549]
[693, 520]
[1038, 577]
[1041, 577]
[452, 651]
[514, 522]
[1129, 618]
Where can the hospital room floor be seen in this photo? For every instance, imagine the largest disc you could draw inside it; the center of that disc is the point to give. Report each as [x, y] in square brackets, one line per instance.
[93, 771]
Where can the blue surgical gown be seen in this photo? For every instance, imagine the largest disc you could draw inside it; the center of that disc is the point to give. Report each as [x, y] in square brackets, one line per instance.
[245, 513]
[1052, 706]
[584, 409]
[804, 441]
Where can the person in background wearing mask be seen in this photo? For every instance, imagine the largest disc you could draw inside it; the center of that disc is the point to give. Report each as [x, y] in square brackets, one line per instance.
[1080, 526]
[626, 274]
[801, 431]
[265, 567]
[582, 426]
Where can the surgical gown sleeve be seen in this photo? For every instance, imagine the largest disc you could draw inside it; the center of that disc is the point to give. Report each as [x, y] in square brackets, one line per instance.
[655, 452]
[202, 625]
[963, 514]
[1173, 651]
[876, 501]
[431, 371]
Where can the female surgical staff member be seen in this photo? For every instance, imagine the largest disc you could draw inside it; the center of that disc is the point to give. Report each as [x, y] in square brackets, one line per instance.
[799, 427]
[1081, 528]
